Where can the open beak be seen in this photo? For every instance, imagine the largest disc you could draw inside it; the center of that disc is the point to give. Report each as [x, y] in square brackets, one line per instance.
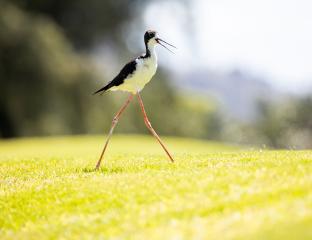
[160, 41]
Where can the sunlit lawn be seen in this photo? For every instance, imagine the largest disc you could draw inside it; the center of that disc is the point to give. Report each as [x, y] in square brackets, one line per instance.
[48, 190]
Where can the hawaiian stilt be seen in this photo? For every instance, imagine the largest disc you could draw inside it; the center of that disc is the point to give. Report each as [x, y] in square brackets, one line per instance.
[132, 78]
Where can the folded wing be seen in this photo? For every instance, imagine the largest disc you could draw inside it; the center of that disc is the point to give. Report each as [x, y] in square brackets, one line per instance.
[125, 72]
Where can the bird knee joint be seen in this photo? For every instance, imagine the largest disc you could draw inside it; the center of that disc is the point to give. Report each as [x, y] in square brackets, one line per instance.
[115, 120]
[148, 123]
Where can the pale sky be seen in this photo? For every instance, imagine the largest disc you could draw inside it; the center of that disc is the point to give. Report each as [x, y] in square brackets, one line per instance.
[271, 38]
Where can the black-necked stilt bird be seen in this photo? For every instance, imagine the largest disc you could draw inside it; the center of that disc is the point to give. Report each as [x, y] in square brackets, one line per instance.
[132, 78]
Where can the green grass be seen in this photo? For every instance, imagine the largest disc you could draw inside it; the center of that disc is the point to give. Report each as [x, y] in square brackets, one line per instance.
[48, 190]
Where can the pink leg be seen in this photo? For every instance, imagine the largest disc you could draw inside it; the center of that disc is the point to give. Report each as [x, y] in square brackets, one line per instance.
[149, 126]
[114, 122]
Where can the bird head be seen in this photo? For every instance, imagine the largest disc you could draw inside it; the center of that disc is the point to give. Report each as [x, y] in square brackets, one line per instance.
[151, 39]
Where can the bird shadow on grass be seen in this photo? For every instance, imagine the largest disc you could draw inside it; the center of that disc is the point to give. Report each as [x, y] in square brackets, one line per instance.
[125, 169]
[106, 170]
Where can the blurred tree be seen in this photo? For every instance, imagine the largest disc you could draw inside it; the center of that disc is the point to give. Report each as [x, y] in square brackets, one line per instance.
[86, 23]
[299, 133]
[269, 124]
[38, 76]
[46, 84]
[285, 124]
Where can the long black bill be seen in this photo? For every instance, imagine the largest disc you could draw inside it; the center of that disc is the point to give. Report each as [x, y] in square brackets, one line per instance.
[159, 42]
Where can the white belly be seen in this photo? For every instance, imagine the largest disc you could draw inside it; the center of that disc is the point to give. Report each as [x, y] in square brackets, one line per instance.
[145, 70]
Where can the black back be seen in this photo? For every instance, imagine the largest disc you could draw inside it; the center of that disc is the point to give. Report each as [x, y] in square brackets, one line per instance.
[125, 72]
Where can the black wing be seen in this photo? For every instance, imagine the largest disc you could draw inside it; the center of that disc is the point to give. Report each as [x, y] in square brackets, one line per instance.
[127, 70]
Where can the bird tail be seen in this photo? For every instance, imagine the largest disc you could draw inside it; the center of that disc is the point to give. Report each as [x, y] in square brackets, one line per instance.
[103, 89]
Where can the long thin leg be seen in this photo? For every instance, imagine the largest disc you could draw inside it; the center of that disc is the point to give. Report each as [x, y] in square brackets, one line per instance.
[149, 126]
[114, 122]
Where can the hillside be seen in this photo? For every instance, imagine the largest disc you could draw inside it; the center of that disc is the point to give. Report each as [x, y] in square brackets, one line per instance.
[237, 92]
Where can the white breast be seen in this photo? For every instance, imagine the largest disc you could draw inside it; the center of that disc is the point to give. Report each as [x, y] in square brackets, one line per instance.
[145, 70]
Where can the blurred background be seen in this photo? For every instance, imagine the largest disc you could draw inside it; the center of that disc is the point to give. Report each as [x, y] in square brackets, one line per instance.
[242, 72]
